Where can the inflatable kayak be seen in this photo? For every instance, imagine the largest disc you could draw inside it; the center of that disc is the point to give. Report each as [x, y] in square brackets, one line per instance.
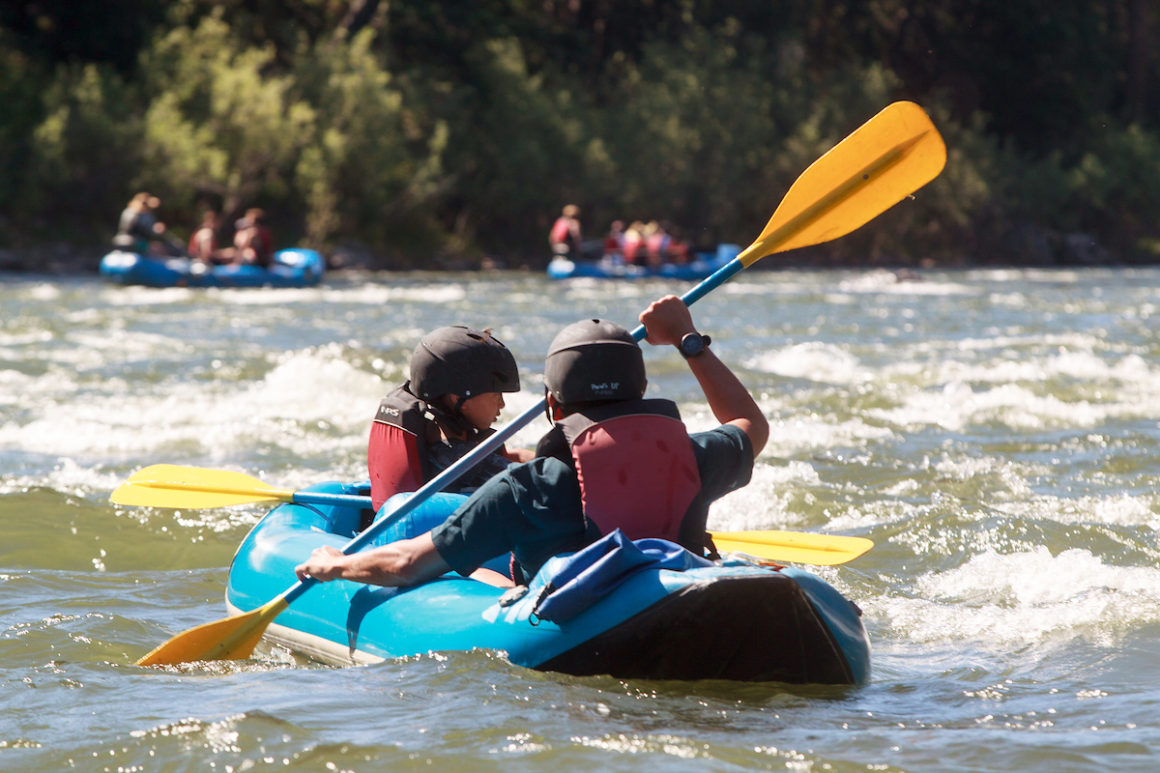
[702, 265]
[291, 268]
[645, 609]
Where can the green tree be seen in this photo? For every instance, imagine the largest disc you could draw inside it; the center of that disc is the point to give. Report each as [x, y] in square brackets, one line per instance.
[82, 151]
[374, 166]
[221, 123]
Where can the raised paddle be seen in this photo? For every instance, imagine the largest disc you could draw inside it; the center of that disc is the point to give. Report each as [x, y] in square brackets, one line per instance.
[886, 159]
[170, 485]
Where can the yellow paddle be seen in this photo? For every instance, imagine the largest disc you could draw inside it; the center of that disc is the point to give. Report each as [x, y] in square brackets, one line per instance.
[198, 488]
[793, 547]
[886, 159]
[192, 488]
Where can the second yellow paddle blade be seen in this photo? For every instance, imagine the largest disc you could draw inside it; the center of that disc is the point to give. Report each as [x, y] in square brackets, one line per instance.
[793, 547]
[885, 160]
[231, 638]
[171, 485]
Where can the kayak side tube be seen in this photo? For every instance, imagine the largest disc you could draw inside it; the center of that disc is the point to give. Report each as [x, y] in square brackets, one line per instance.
[293, 267]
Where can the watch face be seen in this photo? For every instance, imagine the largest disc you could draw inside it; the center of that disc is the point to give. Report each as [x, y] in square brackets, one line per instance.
[692, 345]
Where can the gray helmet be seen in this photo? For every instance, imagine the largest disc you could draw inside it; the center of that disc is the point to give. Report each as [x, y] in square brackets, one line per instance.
[594, 360]
[460, 361]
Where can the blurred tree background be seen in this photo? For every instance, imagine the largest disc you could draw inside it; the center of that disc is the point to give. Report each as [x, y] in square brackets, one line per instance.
[440, 133]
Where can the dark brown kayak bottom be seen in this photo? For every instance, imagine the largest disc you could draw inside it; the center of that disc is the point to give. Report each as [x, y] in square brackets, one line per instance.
[754, 629]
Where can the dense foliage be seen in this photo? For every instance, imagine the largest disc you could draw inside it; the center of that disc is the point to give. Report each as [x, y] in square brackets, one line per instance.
[440, 132]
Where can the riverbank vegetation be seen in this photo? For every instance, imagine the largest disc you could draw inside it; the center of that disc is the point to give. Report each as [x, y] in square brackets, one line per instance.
[441, 133]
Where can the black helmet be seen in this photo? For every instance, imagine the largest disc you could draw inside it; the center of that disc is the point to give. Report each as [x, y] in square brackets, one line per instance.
[594, 360]
[460, 361]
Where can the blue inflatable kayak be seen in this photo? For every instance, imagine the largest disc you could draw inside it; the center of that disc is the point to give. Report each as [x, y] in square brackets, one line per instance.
[291, 268]
[702, 265]
[632, 610]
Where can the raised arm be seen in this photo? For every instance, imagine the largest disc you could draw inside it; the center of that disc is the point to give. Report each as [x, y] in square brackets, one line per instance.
[667, 321]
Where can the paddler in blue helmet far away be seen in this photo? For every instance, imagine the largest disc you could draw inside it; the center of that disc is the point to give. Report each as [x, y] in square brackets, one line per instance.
[613, 460]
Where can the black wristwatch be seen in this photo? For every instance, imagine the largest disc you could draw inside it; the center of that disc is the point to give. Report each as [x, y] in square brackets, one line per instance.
[693, 344]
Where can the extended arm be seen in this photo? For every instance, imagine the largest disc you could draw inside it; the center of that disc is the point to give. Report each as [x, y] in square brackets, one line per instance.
[667, 321]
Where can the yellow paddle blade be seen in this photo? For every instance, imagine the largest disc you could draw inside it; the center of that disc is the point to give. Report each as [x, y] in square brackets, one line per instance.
[885, 160]
[231, 638]
[793, 546]
[170, 485]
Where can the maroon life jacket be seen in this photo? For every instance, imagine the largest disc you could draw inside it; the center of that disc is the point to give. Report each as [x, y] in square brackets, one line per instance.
[636, 467]
[397, 449]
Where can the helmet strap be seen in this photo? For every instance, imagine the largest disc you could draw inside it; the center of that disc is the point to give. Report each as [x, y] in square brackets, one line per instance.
[452, 419]
[551, 407]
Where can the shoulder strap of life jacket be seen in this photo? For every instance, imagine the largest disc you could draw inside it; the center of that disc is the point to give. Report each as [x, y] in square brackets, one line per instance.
[636, 467]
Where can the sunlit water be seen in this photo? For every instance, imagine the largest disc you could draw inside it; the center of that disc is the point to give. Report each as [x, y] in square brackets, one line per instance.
[995, 433]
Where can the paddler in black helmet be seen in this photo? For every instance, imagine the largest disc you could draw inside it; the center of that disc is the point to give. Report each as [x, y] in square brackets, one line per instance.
[446, 408]
[613, 460]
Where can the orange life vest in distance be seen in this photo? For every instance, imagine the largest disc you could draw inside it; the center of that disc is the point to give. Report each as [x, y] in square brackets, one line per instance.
[636, 467]
[204, 236]
[562, 233]
[631, 247]
[657, 245]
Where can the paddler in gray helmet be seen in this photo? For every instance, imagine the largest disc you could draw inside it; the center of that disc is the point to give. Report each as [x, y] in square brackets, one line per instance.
[613, 460]
[446, 408]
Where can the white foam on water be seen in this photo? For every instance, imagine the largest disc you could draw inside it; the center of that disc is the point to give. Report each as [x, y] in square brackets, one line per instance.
[1080, 365]
[810, 433]
[1000, 601]
[967, 468]
[10, 341]
[312, 406]
[765, 502]
[797, 433]
[67, 476]
[90, 350]
[40, 291]
[146, 296]
[813, 361]
[1111, 510]
[893, 283]
[316, 386]
[957, 405]
[282, 297]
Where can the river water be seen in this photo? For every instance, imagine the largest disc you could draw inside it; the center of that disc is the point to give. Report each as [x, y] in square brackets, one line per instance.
[995, 432]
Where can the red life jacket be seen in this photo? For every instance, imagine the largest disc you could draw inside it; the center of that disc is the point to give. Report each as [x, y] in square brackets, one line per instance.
[562, 233]
[636, 467]
[657, 245]
[631, 247]
[259, 239]
[263, 244]
[397, 449]
[202, 235]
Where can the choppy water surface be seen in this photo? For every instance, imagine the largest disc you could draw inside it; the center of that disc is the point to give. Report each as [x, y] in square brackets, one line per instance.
[995, 432]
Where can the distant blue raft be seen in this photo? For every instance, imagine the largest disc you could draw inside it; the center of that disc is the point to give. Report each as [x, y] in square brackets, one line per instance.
[291, 268]
[702, 265]
[629, 610]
